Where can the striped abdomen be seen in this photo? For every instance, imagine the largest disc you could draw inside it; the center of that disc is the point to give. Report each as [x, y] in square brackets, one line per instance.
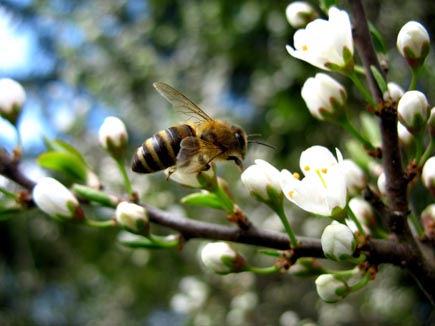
[160, 150]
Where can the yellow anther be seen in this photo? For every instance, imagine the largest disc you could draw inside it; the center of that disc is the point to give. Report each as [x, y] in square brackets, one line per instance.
[296, 175]
[325, 170]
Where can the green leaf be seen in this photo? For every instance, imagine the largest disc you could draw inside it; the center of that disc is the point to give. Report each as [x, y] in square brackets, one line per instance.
[141, 243]
[270, 252]
[378, 41]
[155, 243]
[205, 199]
[57, 145]
[66, 163]
[379, 79]
[95, 195]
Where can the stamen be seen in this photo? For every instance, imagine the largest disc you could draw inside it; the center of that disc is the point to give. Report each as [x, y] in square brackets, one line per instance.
[321, 179]
[304, 47]
[307, 168]
[291, 193]
[296, 175]
[324, 170]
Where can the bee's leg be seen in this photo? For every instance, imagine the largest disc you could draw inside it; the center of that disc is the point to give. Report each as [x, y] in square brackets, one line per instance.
[170, 171]
[204, 162]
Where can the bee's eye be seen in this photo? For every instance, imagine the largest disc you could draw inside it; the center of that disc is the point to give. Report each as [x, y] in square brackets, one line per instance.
[240, 140]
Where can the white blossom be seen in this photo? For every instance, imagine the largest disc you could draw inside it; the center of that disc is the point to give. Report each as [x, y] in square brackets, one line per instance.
[325, 44]
[323, 189]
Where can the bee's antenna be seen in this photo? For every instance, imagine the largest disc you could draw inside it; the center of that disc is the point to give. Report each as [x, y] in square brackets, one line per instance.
[260, 143]
[253, 135]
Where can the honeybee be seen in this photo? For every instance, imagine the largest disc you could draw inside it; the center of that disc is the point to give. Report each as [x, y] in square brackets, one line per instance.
[190, 147]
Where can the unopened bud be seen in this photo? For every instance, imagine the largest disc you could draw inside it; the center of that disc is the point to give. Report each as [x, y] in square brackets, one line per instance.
[221, 258]
[113, 136]
[12, 98]
[329, 288]
[324, 97]
[338, 242]
[300, 13]
[413, 43]
[55, 199]
[413, 111]
[132, 217]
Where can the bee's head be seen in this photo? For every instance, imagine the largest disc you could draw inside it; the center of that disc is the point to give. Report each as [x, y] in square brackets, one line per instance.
[240, 146]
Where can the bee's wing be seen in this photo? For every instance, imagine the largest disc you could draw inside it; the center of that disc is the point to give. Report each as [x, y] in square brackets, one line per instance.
[178, 100]
[195, 155]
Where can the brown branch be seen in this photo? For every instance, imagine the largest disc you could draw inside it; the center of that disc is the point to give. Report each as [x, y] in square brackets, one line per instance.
[9, 167]
[421, 259]
[379, 251]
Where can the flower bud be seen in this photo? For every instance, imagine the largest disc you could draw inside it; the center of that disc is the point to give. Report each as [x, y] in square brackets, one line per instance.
[132, 217]
[261, 176]
[300, 13]
[428, 220]
[431, 122]
[413, 43]
[329, 288]
[55, 199]
[393, 93]
[413, 111]
[113, 136]
[324, 97]
[382, 184]
[12, 98]
[338, 242]
[405, 137]
[355, 177]
[221, 258]
[363, 212]
[428, 174]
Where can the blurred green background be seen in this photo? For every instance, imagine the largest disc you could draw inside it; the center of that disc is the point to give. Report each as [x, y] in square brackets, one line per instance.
[81, 61]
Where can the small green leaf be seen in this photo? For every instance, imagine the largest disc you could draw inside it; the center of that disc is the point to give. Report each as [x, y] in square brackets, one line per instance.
[57, 145]
[378, 41]
[142, 243]
[270, 252]
[205, 199]
[155, 242]
[95, 195]
[66, 163]
[379, 79]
